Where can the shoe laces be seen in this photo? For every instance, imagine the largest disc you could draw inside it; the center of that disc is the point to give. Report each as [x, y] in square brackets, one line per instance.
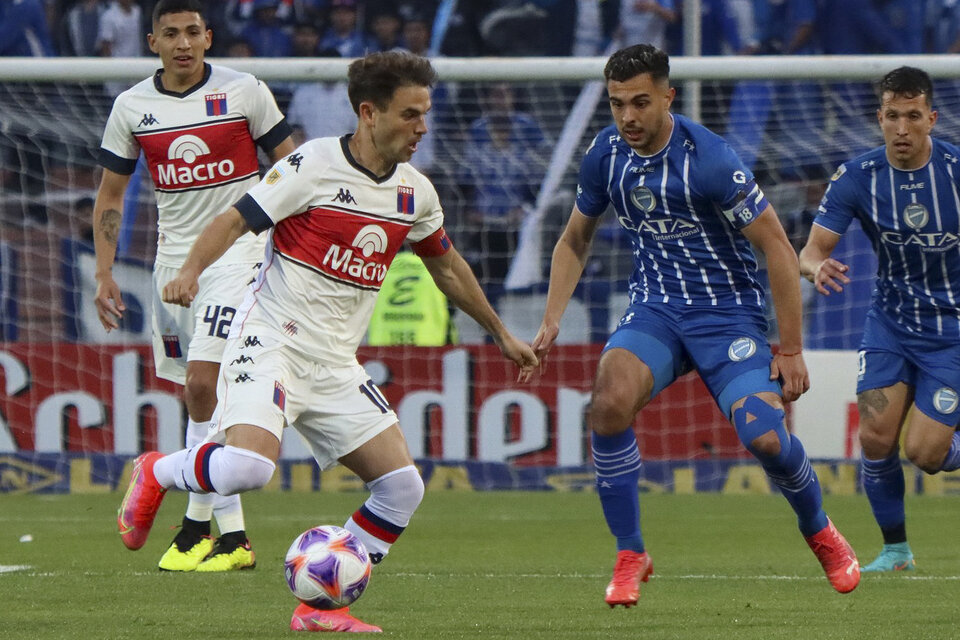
[627, 568]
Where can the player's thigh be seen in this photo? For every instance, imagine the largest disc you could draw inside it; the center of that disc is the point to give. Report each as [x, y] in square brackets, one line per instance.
[927, 441]
[886, 377]
[385, 452]
[262, 383]
[731, 353]
[221, 291]
[641, 358]
[172, 329]
[345, 411]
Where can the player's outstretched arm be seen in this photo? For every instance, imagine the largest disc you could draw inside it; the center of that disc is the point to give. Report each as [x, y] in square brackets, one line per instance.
[766, 233]
[569, 257]
[107, 213]
[817, 266]
[456, 280]
[212, 243]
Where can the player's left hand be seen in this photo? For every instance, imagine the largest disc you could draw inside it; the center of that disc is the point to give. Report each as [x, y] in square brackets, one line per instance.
[181, 290]
[521, 354]
[792, 372]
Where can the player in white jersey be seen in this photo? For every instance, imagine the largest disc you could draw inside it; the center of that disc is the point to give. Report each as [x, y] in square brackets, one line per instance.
[338, 211]
[198, 127]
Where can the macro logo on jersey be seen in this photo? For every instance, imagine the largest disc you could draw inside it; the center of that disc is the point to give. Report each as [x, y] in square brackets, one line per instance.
[216, 104]
[643, 199]
[200, 156]
[741, 349]
[346, 246]
[946, 400]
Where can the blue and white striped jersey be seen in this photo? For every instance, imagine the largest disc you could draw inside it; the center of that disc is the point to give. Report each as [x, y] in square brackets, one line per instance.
[911, 218]
[682, 209]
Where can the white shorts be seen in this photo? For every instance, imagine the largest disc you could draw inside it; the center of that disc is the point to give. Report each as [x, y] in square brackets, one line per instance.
[199, 332]
[266, 383]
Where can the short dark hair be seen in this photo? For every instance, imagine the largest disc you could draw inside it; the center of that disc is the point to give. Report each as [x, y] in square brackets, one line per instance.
[164, 7]
[635, 60]
[909, 82]
[377, 76]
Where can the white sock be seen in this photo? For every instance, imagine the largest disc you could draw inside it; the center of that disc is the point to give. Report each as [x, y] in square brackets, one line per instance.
[394, 497]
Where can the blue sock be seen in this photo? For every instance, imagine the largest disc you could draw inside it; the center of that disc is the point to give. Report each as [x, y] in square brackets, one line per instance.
[617, 462]
[883, 483]
[798, 482]
[952, 461]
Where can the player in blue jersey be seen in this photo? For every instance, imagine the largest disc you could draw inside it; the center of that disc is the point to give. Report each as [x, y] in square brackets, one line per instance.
[904, 194]
[692, 211]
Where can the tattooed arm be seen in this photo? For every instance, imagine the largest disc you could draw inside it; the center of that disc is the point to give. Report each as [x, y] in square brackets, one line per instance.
[107, 213]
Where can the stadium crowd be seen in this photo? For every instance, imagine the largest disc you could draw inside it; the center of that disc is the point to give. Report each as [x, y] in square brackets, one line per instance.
[492, 27]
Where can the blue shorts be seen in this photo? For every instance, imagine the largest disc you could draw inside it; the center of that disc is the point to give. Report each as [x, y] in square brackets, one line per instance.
[727, 347]
[890, 354]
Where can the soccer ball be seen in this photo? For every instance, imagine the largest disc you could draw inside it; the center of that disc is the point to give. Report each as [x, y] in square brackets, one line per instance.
[327, 567]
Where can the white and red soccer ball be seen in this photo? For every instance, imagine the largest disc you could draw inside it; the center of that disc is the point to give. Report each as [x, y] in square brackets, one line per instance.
[327, 567]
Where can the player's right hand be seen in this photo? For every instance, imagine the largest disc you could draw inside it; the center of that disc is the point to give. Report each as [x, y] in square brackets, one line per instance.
[546, 336]
[831, 273]
[181, 290]
[109, 303]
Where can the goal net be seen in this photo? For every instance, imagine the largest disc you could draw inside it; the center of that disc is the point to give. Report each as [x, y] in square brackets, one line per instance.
[503, 151]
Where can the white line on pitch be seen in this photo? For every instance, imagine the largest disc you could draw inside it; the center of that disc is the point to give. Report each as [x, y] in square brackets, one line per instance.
[582, 576]
[10, 568]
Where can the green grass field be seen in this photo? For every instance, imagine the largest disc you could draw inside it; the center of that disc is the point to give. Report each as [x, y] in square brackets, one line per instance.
[485, 565]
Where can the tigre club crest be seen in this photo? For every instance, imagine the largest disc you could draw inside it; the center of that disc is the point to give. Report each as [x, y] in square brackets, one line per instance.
[642, 198]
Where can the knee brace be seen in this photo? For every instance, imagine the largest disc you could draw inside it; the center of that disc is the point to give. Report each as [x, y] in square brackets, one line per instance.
[766, 418]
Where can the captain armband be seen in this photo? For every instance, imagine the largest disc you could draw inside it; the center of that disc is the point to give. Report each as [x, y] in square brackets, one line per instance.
[434, 245]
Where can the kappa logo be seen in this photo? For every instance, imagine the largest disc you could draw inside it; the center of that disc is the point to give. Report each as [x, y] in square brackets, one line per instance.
[345, 197]
[148, 120]
[252, 341]
[243, 377]
[294, 160]
[242, 360]
[190, 148]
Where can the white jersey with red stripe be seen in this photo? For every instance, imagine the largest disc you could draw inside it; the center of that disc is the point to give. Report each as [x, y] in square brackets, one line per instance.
[336, 228]
[200, 147]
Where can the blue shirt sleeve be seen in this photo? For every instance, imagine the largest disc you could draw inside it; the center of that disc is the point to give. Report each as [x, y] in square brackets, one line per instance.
[731, 186]
[592, 196]
[838, 207]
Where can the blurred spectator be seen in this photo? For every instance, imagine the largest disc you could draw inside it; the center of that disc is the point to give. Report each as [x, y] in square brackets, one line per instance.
[855, 27]
[306, 40]
[516, 28]
[321, 109]
[344, 33]
[943, 25]
[559, 27]
[505, 160]
[596, 25]
[238, 48]
[906, 19]
[385, 28]
[120, 33]
[264, 33]
[646, 21]
[416, 35]
[240, 13]
[80, 29]
[24, 30]
[456, 28]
